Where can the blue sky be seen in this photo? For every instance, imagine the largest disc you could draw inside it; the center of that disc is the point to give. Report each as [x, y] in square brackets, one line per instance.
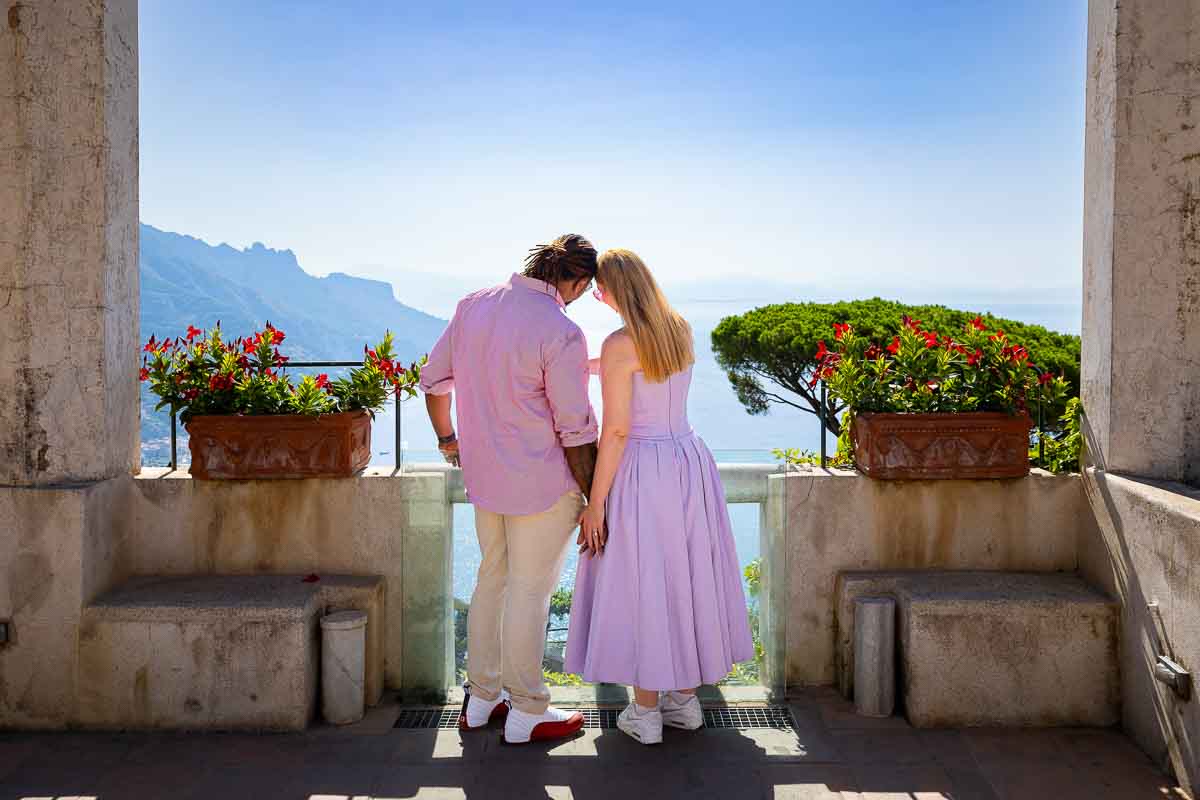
[853, 145]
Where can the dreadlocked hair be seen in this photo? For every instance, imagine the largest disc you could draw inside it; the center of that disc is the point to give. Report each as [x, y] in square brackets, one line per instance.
[570, 257]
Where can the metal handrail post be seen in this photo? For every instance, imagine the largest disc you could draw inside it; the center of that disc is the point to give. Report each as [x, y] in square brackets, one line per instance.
[824, 428]
[399, 439]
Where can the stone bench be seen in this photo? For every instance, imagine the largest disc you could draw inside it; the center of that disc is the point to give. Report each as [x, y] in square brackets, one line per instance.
[993, 648]
[217, 652]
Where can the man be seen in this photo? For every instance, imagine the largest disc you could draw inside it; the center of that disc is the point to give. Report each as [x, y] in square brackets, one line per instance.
[527, 446]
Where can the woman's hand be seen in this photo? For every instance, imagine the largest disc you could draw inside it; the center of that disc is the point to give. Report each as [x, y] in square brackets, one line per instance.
[593, 533]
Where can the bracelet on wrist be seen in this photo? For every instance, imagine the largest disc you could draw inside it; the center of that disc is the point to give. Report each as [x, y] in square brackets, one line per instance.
[445, 440]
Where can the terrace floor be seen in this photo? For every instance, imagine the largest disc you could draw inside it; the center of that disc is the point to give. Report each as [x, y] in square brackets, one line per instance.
[830, 754]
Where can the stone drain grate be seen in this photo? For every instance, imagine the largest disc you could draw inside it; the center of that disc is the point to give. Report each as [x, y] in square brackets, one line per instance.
[739, 718]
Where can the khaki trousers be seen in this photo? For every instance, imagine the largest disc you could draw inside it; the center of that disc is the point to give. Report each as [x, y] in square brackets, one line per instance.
[506, 628]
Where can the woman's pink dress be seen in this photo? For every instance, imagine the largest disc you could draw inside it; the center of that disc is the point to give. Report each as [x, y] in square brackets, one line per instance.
[663, 608]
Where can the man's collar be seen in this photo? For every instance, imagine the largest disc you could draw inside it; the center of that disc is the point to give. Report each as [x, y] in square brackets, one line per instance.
[541, 287]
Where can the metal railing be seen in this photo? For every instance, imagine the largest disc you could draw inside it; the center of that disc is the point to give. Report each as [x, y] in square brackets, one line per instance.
[174, 463]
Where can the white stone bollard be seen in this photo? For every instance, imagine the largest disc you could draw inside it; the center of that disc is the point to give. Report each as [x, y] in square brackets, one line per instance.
[874, 656]
[343, 666]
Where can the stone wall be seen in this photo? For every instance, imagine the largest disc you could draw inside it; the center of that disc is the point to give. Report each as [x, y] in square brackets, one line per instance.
[836, 521]
[60, 549]
[68, 241]
[1146, 550]
[397, 526]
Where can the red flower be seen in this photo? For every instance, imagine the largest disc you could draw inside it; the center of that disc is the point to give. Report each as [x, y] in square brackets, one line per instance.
[277, 336]
[974, 358]
[322, 379]
[840, 330]
[144, 375]
[873, 352]
[894, 347]
[977, 324]
[193, 332]
[913, 324]
[220, 382]
[822, 351]
[931, 340]
[191, 394]
[997, 336]
[1016, 353]
[151, 346]
[1045, 378]
[371, 354]
[249, 345]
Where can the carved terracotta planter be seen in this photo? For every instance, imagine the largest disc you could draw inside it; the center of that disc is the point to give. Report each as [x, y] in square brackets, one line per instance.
[279, 446]
[981, 445]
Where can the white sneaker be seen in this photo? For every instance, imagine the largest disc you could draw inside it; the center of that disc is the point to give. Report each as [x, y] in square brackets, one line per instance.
[645, 726]
[479, 713]
[681, 710]
[521, 727]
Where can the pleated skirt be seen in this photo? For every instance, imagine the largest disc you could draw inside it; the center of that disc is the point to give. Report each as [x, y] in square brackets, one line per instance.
[663, 608]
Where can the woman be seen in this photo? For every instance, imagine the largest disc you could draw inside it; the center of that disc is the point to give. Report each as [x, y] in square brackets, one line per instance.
[659, 602]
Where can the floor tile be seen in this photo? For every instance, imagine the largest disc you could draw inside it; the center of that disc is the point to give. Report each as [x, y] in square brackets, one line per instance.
[809, 782]
[811, 762]
[903, 782]
[880, 747]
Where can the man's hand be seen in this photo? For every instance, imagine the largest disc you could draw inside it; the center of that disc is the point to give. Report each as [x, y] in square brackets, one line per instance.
[449, 451]
[582, 461]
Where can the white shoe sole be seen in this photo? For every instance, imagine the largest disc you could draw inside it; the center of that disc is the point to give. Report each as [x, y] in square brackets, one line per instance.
[634, 734]
[683, 727]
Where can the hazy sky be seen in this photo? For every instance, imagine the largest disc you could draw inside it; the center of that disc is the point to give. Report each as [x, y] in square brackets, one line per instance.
[849, 144]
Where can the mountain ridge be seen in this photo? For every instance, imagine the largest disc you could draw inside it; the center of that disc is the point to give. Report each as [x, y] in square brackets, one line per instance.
[186, 281]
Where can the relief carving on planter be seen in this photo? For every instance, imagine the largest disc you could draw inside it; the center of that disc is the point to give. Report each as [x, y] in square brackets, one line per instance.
[941, 446]
[273, 447]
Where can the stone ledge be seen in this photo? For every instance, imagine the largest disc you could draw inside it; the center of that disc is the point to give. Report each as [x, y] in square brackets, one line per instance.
[993, 648]
[260, 597]
[217, 652]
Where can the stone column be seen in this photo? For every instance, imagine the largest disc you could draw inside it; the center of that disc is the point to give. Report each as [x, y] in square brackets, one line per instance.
[1141, 314]
[68, 241]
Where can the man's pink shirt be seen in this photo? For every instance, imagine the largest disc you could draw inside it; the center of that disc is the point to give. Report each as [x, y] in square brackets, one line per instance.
[518, 368]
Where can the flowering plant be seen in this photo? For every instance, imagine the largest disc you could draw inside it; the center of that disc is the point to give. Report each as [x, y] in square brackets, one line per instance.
[201, 373]
[922, 371]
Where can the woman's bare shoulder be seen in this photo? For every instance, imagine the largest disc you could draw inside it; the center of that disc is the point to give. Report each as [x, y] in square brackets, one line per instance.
[618, 350]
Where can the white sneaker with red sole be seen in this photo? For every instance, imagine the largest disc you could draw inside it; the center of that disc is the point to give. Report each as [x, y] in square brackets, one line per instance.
[478, 713]
[522, 728]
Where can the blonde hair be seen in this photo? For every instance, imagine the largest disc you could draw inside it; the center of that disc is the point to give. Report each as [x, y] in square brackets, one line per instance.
[662, 337]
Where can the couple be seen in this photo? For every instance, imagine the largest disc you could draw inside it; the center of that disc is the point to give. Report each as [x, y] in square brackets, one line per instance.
[658, 598]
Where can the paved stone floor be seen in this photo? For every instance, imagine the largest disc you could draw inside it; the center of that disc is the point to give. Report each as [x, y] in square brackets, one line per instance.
[832, 754]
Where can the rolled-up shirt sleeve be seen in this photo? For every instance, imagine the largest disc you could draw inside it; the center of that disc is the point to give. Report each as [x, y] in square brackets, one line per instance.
[437, 376]
[566, 374]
